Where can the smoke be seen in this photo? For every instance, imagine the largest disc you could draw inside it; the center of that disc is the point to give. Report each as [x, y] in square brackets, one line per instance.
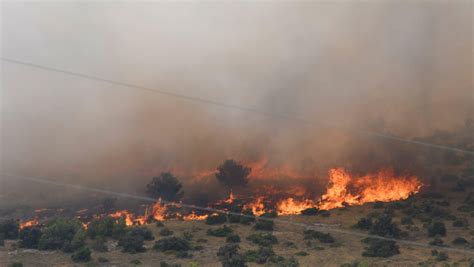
[403, 68]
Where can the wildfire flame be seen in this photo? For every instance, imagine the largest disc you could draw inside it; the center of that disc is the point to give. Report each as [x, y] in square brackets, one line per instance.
[29, 223]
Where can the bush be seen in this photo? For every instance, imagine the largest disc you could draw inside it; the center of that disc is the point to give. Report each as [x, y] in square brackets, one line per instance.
[78, 241]
[9, 229]
[165, 232]
[436, 228]
[322, 237]
[172, 244]
[143, 232]
[132, 243]
[263, 239]
[214, 219]
[264, 253]
[383, 226]
[301, 253]
[82, 254]
[270, 214]
[442, 256]
[58, 234]
[159, 224]
[380, 248]
[102, 260]
[233, 238]
[230, 257]
[310, 212]
[220, 232]
[364, 223]
[16, 264]
[378, 205]
[106, 227]
[264, 225]
[135, 262]
[324, 213]
[29, 237]
[248, 217]
[165, 186]
[165, 264]
[437, 242]
[231, 174]
[460, 223]
[459, 241]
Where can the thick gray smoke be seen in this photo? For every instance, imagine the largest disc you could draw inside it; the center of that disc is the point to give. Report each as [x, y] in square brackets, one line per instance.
[397, 67]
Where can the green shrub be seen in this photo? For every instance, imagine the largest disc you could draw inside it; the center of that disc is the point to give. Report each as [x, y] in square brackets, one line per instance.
[214, 219]
[378, 205]
[263, 239]
[322, 237]
[132, 243]
[172, 244]
[247, 217]
[364, 223]
[102, 260]
[230, 257]
[442, 256]
[29, 237]
[135, 262]
[82, 254]
[15, 264]
[165, 264]
[459, 241]
[220, 232]
[159, 224]
[165, 232]
[264, 225]
[106, 227]
[78, 241]
[383, 226]
[437, 242]
[264, 253]
[436, 228]
[9, 229]
[301, 253]
[270, 214]
[143, 232]
[187, 235]
[59, 233]
[99, 244]
[460, 223]
[310, 212]
[380, 248]
[233, 238]
[324, 213]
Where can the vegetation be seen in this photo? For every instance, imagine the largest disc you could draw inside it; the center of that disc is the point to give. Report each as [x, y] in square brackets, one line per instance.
[310, 212]
[83, 254]
[232, 174]
[166, 232]
[459, 241]
[230, 257]
[380, 248]
[9, 229]
[165, 186]
[233, 238]
[383, 226]
[214, 219]
[29, 237]
[106, 227]
[322, 237]
[59, 233]
[172, 244]
[263, 239]
[436, 229]
[220, 232]
[264, 225]
[132, 243]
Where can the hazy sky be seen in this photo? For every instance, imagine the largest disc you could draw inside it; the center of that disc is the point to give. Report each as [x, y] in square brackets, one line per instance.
[403, 67]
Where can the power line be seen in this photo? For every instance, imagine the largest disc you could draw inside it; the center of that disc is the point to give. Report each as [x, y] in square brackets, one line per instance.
[208, 209]
[243, 108]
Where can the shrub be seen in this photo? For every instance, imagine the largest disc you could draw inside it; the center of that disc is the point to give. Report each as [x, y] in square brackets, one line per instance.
[231, 174]
[460, 223]
[9, 229]
[16, 264]
[380, 248]
[132, 243]
[135, 262]
[230, 257]
[264, 225]
[310, 212]
[159, 224]
[165, 186]
[442, 256]
[436, 228]
[301, 253]
[2, 240]
[220, 232]
[459, 241]
[187, 235]
[172, 244]
[322, 237]
[378, 205]
[82, 254]
[383, 226]
[264, 253]
[165, 264]
[143, 232]
[364, 223]
[165, 232]
[437, 242]
[324, 213]
[247, 218]
[29, 237]
[233, 238]
[58, 234]
[102, 260]
[106, 227]
[270, 214]
[214, 219]
[78, 241]
[263, 239]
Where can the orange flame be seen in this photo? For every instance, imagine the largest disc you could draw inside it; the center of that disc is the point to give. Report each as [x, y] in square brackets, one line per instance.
[257, 206]
[194, 217]
[29, 223]
[158, 211]
[291, 206]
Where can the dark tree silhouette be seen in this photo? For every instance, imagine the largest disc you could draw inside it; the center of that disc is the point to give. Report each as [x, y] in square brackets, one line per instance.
[165, 186]
[231, 174]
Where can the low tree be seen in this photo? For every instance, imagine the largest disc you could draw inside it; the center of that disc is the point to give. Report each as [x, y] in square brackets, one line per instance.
[82, 254]
[232, 174]
[29, 237]
[132, 243]
[436, 229]
[165, 186]
[58, 234]
[172, 244]
[380, 248]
